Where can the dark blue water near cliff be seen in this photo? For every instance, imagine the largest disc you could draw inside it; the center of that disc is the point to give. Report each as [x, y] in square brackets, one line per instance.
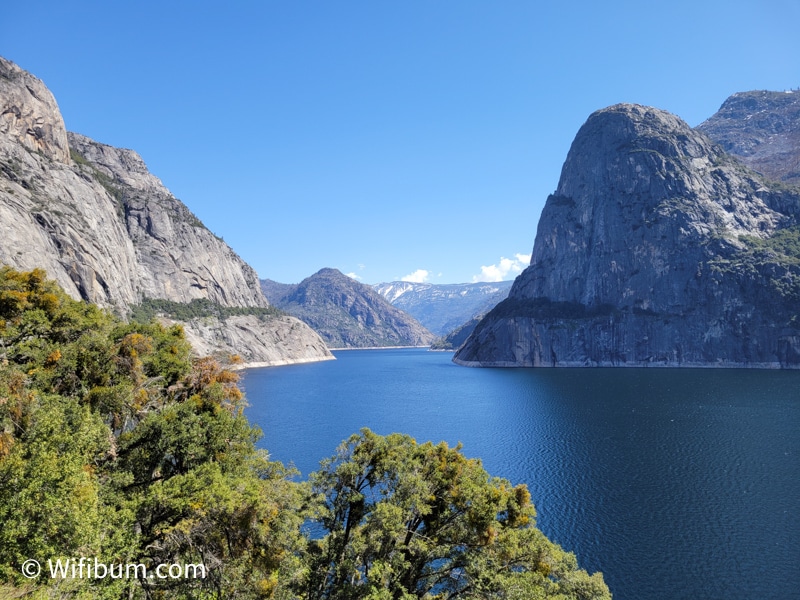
[675, 483]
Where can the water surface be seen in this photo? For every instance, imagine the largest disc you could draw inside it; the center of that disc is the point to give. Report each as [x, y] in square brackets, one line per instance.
[675, 483]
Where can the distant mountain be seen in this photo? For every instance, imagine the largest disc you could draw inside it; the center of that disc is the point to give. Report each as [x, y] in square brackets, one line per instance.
[455, 338]
[346, 313]
[659, 248]
[444, 307]
[763, 130]
[275, 292]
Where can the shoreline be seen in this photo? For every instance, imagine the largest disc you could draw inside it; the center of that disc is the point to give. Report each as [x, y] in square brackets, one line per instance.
[504, 364]
[300, 361]
[376, 348]
[279, 363]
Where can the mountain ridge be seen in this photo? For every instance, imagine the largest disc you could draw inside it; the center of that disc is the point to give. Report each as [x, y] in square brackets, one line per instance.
[443, 308]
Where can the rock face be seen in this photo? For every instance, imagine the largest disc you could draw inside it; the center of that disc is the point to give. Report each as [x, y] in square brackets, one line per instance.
[657, 248]
[98, 222]
[29, 115]
[281, 341]
[53, 215]
[177, 257]
[441, 308]
[763, 129]
[346, 313]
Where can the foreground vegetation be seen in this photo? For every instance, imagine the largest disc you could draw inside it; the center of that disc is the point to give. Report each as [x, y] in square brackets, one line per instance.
[151, 308]
[117, 446]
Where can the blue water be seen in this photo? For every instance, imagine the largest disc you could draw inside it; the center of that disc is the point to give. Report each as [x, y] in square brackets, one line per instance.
[675, 483]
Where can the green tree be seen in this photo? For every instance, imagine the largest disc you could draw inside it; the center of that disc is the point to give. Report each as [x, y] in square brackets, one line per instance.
[404, 520]
[115, 443]
[49, 492]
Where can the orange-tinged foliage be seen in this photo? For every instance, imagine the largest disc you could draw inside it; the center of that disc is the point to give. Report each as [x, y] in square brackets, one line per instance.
[207, 374]
[48, 302]
[135, 344]
[6, 442]
[76, 386]
[21, 290]
[53, 358]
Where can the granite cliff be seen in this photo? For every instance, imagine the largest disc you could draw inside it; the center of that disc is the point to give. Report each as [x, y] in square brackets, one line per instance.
[109, 232]
[657, 248]
[346, 313]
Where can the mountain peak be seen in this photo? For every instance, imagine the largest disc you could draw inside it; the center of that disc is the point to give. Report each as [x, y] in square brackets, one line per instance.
[331, 273]
[347, 313]
[29, 114]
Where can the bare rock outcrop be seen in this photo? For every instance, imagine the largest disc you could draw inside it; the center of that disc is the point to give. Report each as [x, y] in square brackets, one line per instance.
[29, 114]
[279, 341]
[657, 248]
[53, 214]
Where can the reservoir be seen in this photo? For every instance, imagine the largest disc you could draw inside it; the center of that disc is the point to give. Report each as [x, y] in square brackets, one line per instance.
[675, 483]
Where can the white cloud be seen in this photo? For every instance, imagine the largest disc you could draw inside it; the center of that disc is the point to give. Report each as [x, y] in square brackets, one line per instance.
[353, 276]
[418, 276]
[507, 268]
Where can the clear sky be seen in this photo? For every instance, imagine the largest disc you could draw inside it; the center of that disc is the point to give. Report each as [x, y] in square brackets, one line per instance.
[383, 138]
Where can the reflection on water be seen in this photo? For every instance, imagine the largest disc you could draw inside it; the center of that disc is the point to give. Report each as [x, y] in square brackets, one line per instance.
[676, 483]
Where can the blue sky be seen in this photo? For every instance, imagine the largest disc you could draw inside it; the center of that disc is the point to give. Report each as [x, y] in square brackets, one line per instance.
[385, 139]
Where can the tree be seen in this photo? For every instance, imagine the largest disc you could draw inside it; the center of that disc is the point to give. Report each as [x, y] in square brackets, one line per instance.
[49, 494]
[116, 443]
[403, 520]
